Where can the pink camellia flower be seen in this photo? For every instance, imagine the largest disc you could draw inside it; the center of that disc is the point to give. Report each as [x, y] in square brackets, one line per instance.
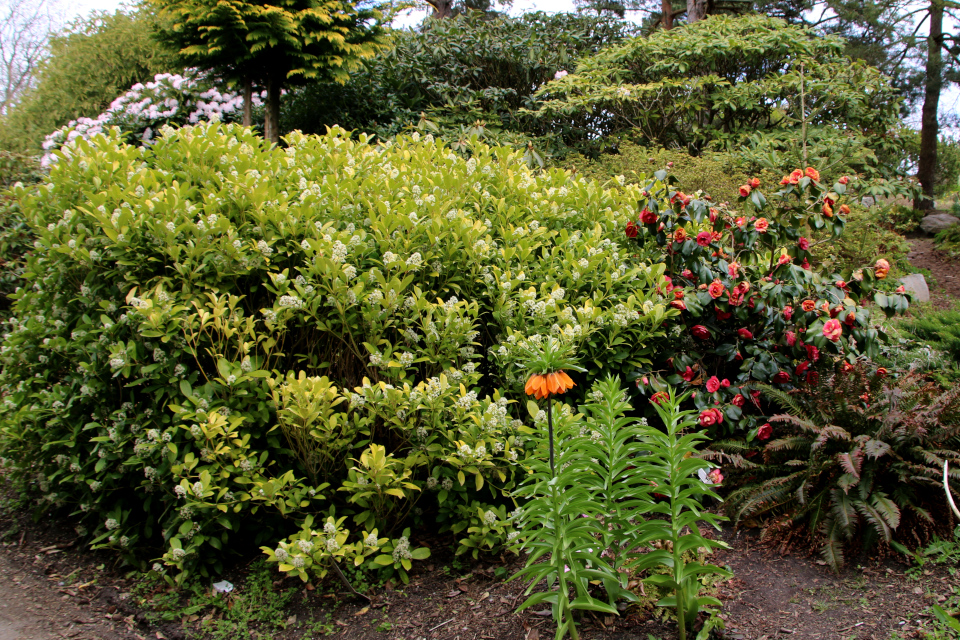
[754, 182]
[738, 400]
[901, 289]
[764, 432]
[710, 417]
[716, 289]
[745, 334]
[735, 298]
[787, 312]
[741, 222]
[713, 384]
[745, 190]
[791, 338]
[733, 269]
[803, 243]
[808, 305]
[687, 375]
[813, 353]
[844, 180]
[840, 284]
[713, 214]
[700, 332]
[850, 319]
[761, 225]
[704, 238]
[724, 383]
[832, 330]
[781, 377]
[784, 259]
[805, 265]
[715, 476]
[686, 273]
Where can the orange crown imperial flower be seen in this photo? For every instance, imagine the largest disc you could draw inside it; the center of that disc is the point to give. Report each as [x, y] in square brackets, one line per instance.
[543, 385]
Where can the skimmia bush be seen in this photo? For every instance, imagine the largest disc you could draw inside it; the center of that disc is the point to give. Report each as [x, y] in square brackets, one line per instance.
[754, 308]
[217, 339]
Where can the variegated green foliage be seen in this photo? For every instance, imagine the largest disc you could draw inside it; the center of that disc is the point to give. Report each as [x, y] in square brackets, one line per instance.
[856, 457]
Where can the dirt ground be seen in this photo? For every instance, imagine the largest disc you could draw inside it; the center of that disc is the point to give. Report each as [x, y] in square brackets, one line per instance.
[51, 589]
[944, 282]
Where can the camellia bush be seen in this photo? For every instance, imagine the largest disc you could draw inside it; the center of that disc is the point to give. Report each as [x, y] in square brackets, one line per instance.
[170, 99]
[754, 309]
[309, 348]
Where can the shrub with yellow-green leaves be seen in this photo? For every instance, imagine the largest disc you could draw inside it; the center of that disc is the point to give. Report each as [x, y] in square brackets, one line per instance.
[220, 341]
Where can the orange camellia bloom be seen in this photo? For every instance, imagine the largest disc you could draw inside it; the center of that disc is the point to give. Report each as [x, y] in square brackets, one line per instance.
[680, 234]
[715, 289]
[543, 385]
[745, 190]
[827, 210]
[795, 176]
[844, 209]
[754, 183]
[813, 174]
[881, 269]
[809, 305]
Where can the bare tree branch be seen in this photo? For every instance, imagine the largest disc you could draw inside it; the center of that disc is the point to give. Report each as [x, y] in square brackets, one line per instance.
[25, 26]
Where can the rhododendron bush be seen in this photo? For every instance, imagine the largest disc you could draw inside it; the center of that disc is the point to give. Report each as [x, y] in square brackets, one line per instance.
[220, 340]
[753, 307]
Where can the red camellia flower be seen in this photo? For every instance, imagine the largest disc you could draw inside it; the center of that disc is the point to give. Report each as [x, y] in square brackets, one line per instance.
[801, 368]
[813, 353]
[784, 259]
[764, 432]
[669, 282]
[704, 238]
[738, 400]
[679, 234]
[631, 230]
[813, 174]
[844, 180]
[659, 396]
[840, 284]
[678, 304]
[846, 367]
[809, 305]
[832, 330]
[787, 312]
[724, 383]
[710, 417]
[754, 183]
[700, 332]
[715, 476]
[745, 334]
[735, 298]
[803, 243]
[827, 210]
[722, 315]
[882, 371]
[687, 375]
[686, 273]
[781, 377]
[805, 265]
[713, 214]
[791, 338]
[761, 225]
[795, 176]
[745, 190]
[678, 294]
[713, 384]
[648, 217]
[755, 395]
[716, 289]
[850, 319]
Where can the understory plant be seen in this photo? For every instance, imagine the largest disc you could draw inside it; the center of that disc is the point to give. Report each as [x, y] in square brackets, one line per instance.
[858, 457]
[618, 487]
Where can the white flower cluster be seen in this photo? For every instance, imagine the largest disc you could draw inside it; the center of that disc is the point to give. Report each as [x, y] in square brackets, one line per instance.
[168, 98]
[402, 549]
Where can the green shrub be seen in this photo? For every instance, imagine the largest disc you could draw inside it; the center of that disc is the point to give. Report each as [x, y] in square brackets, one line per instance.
[857, 458]
[931, 343]
[949, 240]
[16, 238]
[163, 373]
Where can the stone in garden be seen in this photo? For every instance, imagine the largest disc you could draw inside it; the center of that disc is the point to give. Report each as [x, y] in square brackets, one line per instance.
[868, 201]
[937, 222]
[916, 284]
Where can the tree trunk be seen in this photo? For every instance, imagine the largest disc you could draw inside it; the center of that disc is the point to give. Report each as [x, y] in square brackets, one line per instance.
[696, 10]
[248, 103]
[929, 125]
[666, 14]
[271, 119]
[441, 8]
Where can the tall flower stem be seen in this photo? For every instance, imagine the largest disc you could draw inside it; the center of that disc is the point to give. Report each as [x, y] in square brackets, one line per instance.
[553, 468]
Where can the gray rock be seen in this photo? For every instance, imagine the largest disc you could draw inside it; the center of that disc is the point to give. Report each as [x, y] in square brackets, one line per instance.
[916, 284]
[937, 222]
[868, 201]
